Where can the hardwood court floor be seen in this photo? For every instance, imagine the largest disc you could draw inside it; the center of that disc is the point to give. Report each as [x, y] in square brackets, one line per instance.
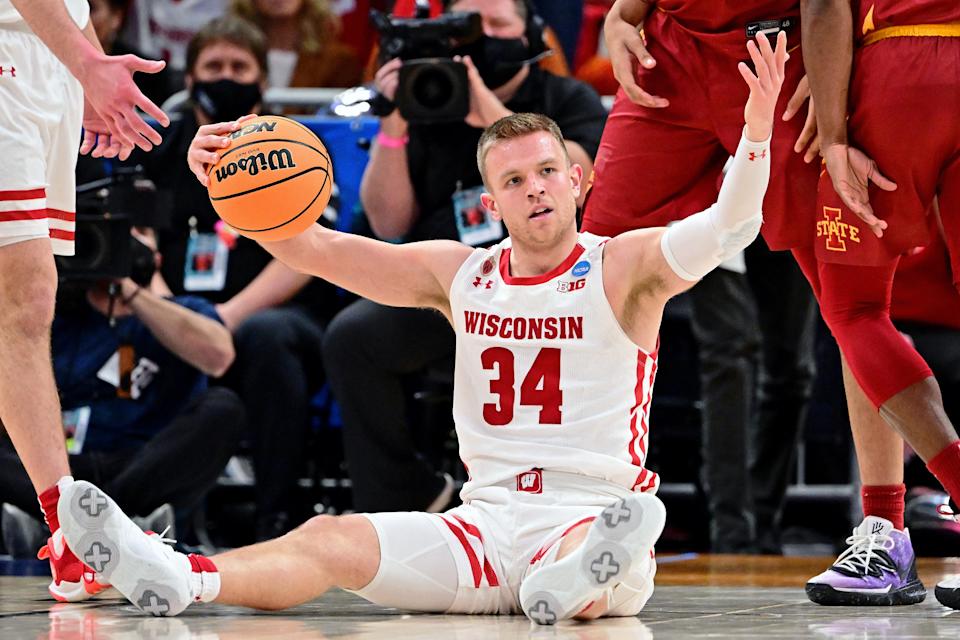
[696, 597]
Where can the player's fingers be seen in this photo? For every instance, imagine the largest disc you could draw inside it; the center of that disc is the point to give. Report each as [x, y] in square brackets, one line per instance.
[136, 63]
[639, 50]
[142, 129]
[797, 100]
[881, 180]
[748, 77]
[780, 54]
[808, 133]
[759, 65]
[88, 143]
[124, 152]
[147, 106]
[812, 151]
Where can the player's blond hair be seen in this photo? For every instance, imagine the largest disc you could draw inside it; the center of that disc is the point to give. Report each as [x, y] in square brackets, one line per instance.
[516, 125]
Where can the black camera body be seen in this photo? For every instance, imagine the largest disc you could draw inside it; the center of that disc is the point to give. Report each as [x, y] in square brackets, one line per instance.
[432, 88]
[107, 209]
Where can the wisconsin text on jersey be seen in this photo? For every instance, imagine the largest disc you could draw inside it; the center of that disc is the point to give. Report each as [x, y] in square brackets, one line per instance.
[520, 328]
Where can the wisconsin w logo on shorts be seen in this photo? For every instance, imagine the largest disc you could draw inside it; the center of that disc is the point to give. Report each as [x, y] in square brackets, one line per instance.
[530, 481]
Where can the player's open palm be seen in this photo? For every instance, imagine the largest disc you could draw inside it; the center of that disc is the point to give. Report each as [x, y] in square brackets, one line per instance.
[769, 65]
[851, 171]
[109, 89]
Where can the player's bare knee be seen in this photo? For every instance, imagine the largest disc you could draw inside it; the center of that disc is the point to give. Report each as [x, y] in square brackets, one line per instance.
[346, 547]
[28, 308]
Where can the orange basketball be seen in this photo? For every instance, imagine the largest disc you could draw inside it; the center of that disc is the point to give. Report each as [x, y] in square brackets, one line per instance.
[273, 181]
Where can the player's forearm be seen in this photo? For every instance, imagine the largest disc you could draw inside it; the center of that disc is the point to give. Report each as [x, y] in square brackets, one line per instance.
[699, 244]
[196, 339]
[631, 11]
[386, 190]
[273, 286]
[827, 57]
[51, 21]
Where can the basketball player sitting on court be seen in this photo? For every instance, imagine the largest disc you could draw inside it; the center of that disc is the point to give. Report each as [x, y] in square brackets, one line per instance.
[556, 356]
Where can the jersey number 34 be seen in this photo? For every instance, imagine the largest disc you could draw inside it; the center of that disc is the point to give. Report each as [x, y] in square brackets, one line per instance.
[540, 387]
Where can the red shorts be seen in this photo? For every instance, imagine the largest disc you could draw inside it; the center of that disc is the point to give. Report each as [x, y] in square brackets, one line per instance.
[905, 93]
[655, 166]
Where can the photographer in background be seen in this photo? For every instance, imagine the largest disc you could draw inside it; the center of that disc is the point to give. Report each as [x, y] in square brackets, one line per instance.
[138, 414]
[275, 314]
[422, 183]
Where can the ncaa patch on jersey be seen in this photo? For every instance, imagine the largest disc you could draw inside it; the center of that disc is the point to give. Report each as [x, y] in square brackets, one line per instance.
[580, 269]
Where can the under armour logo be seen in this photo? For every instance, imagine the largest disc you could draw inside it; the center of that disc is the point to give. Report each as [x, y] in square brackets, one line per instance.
[93, 503]
[753, 155]
[542, 614]
[605, 567]
[9, 70]
[153, 604]
[478, 281]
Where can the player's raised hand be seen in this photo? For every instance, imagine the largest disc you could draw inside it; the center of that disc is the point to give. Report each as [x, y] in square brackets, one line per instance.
[852, 171]
[110, 91]
[627, 50]
[97, 140]
[210, 138]
[765, 85]
[809, 137]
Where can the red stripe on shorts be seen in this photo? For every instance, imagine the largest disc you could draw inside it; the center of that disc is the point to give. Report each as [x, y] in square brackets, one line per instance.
[23, 194]
[29, 214]
[68, 216]
[59, 234]
[471, 556]
[487, 567]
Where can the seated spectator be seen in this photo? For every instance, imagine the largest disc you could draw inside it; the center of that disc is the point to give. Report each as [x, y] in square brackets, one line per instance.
[162, 29]
[275, 314]
[135, 399]
[422, 183]
[107, 16]
[302, 36]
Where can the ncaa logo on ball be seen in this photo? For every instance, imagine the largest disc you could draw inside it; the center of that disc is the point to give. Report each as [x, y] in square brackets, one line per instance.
[256, 127]
[581, 269]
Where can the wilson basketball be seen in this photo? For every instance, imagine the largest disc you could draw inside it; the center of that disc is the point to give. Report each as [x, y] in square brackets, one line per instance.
[273, 181]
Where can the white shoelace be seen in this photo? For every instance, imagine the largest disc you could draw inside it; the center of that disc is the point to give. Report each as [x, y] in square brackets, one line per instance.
[862, 551]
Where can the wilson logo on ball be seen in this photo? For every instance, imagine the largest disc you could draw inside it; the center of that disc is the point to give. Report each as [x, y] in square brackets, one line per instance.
[274, 160]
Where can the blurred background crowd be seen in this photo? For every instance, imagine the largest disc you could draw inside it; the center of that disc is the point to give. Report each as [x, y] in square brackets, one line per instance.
[211, 389]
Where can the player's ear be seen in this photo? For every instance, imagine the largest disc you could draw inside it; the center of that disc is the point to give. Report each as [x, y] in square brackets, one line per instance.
[576, 178]
[490, 205]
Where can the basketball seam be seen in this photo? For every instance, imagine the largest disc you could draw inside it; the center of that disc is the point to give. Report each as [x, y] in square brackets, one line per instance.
[326, 176]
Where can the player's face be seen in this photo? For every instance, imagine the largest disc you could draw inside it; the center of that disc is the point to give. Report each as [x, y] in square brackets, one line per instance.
[533, 188]
[226, 61]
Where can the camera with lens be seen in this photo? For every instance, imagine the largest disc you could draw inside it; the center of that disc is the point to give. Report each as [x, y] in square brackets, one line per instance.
[107, 209]
[433, 87]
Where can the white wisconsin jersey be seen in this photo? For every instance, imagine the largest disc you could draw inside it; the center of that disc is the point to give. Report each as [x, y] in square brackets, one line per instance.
[79, 11]
[545, 376]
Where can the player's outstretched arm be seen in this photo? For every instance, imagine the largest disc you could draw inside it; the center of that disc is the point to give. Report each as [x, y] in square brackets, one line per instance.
[657, 264]
[828, 57]
[418, 274]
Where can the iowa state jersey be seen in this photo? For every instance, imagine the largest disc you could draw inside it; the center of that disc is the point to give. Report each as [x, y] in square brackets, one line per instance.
[545, 376]
[720, 16]
[873, 15]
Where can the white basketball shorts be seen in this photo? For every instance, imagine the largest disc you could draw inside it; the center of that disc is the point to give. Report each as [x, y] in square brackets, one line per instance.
[41, 111]
[473, 558]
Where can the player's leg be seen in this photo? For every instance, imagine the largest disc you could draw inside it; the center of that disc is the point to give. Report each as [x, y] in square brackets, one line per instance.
[579, 574]
[879, 565]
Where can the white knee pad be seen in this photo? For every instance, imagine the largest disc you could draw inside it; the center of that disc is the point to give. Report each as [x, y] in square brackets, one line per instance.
[417, 569]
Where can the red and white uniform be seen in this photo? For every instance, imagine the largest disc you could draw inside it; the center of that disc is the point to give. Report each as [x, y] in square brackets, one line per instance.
[551, 404]
[41, 109]
[545, 377]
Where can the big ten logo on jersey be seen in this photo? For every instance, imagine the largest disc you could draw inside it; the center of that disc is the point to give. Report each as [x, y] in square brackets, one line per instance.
[530, 481]
[579, 271]
[253, 162]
